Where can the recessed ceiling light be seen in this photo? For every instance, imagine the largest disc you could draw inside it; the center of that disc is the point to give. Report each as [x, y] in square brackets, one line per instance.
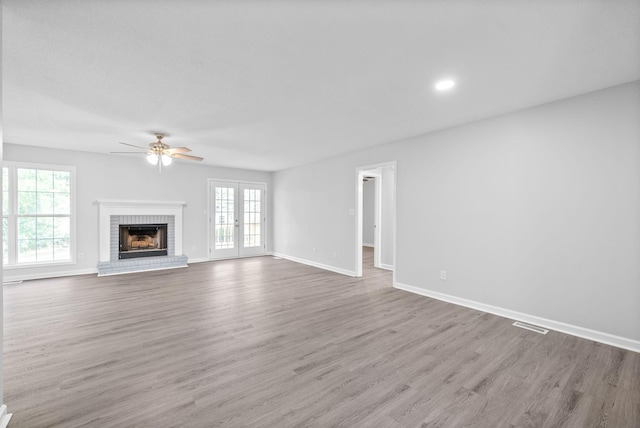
[444, 85]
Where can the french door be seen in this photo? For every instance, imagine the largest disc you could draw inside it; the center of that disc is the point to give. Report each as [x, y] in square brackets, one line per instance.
[237, 219]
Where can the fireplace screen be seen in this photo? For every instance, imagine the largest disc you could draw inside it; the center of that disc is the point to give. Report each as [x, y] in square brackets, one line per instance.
[142, 240]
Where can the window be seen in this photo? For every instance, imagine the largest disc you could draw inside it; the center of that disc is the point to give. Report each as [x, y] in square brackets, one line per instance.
[37, 223]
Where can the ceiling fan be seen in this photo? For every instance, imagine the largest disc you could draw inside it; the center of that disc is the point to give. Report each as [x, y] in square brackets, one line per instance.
[159, 153]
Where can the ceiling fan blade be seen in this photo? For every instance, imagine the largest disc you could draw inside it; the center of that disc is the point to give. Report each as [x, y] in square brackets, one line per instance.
[133, 153]
[137, 147]
[189, 157]
[177, 150]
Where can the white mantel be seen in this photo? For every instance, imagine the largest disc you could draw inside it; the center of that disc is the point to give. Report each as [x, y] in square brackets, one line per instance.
[111, 207]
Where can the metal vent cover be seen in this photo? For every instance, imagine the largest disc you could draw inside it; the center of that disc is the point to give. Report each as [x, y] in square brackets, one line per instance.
[531, 327]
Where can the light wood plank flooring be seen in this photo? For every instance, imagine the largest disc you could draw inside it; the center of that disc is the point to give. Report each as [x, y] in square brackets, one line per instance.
[262, 342]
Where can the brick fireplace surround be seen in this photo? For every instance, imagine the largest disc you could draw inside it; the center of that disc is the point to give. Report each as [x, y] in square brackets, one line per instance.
[116, 212]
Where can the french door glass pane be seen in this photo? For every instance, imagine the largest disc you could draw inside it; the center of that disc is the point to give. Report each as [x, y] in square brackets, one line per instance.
[224, 218]
[252, 218]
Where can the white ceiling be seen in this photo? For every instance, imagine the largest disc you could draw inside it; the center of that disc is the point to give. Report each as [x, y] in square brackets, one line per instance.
[268, 85]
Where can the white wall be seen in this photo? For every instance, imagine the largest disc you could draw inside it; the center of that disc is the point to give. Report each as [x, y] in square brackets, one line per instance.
[536, 211]
[368, 212]
[101, 176]
[1, 276]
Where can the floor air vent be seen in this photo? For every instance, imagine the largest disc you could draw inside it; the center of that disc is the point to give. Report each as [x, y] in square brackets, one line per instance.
[531, 327]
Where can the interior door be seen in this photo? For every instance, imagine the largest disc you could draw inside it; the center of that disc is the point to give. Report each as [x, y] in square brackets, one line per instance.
[238, 220]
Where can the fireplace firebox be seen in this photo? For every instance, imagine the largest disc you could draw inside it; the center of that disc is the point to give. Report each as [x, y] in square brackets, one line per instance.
[142, 240]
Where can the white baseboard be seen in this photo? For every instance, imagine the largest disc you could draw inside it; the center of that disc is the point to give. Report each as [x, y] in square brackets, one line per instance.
[316, 264]
[206, 259]
[368, 245]
[4, 416]
[217, 259]
[89, 271]
[574, 330]
[387, 267]
[44, 275]
[197, 260]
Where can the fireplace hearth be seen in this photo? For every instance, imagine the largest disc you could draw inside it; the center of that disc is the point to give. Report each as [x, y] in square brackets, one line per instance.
[142, 240]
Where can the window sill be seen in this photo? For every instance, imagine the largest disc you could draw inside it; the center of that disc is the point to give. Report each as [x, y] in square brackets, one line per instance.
[38, 265]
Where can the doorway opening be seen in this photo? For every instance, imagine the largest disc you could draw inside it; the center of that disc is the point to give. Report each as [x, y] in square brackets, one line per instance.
[371, 216]
[375, 217]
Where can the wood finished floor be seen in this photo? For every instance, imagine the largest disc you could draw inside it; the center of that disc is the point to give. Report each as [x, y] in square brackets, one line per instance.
[262, 342]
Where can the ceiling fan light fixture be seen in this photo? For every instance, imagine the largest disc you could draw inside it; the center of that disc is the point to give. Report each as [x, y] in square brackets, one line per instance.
[166, 160]
[152, 158]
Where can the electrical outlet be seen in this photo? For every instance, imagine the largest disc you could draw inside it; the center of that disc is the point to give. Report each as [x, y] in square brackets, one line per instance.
[286, 246]
[443, 275]
[80, 256]
[335, 254]
[313, 251]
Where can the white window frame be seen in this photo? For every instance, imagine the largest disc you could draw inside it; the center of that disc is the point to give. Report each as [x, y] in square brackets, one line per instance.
[13, 215]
